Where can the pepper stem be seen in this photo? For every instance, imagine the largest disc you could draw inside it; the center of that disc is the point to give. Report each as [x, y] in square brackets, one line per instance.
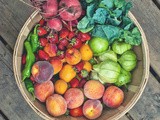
[35, 29]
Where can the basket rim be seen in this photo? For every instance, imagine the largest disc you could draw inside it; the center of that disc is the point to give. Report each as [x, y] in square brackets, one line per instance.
[118, 115]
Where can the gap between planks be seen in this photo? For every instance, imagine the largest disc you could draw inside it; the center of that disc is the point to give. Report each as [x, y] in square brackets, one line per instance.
[157, 3]
[3, 116]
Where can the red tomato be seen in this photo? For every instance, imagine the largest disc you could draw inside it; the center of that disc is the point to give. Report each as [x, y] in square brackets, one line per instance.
[76, 112]
[41, 31]
[64, 42]
[74, 82]
[84, 36]
[63, 33]
[43, 41]
[41, 22]
[76, 43]
[53, 39]
[71, 35]
[43, 55]
[78, 67]
[23, 59]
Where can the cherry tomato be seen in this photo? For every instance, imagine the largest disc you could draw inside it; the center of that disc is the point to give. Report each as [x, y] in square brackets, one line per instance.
[53, 39]
[43, 55]
[61, 47]
[71, 35]
[43, 41]
[41, 31]
[74, 83]
[64, 42]
[42, 22]
[84, 36]
[76, 43]
[76, 112]
[23, 59]
[63, 33]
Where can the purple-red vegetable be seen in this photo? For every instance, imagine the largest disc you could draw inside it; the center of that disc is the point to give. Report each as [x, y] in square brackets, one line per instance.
[54, 24]
[70, 9]
[50, 8]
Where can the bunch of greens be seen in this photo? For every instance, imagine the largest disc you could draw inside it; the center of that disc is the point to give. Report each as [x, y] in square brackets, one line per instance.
[108, 19]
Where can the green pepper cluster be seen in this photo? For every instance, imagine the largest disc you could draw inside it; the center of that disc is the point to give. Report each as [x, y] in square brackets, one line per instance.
[31, 45]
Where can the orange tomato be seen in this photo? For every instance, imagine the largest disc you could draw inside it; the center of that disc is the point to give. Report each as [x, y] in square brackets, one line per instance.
[87, 66]
[67, 73]
[86, 52]
[60, 86]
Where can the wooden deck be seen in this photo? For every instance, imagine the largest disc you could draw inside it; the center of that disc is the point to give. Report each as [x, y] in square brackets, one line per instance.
[13, 15]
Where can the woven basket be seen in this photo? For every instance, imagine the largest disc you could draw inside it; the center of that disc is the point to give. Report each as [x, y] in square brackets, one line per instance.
[139, 79]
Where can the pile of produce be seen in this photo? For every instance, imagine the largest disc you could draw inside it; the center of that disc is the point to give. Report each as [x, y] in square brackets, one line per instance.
[79, 56]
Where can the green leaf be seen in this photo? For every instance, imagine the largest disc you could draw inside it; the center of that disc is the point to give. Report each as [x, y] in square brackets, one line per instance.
[119, 3]
[100, 16]
[108, 4]
[133, 37]
[107, 31]
[91, 10]
[127, 24]
[89, 1]
[85, 25]
[126, 8]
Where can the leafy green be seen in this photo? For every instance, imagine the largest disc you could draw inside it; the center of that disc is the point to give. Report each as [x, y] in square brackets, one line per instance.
[100, 16]
[89, 1]
[85, 25]
[90, 10]
[132, 37]
[119, 3]
[107, 31]
[108, 19]
[108, 4]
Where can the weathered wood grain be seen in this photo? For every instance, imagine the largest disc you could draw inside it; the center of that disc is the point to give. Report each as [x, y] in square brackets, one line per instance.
[124, 118]
[5, 56]
[148, 107]
[12, 103]
[13, 15]
[148, 15]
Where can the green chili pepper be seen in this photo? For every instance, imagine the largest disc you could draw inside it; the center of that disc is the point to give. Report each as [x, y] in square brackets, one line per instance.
[29, 37]
[34, 39]
[30, 59]
[29, 85]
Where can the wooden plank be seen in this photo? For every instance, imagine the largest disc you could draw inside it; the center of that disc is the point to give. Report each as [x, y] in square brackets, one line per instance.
[13, 16]
[12, 103]
[124, 118]
[148, 16]
[5, 56]
[148, 106]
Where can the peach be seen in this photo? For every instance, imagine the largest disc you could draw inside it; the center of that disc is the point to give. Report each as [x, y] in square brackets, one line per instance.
[72, 56]
[57, 64]
[56, 105]
[42, 71]
[113, 97]
[93, 89]
[43, 90]
[92, 109]
[50, 49]
[74, 98]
